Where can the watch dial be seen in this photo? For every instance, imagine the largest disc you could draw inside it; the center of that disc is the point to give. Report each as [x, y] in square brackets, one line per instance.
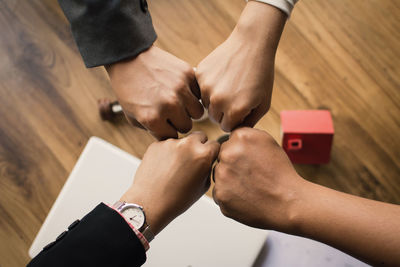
[135, 216]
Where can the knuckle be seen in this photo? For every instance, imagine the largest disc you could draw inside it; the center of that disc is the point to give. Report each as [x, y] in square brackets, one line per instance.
[186, 127]
[169, 142]
[199, 78]
[243, 134]
[150, 120]
[180, 86]
[196, 135]
[183, 144]
[204, 90]
[224, 210]
[200, 70]
[227, 124]
[233, 154]
[217, 99]
[222, 198]
[217, 194]
[152, 146]
[224, 154]
[171, 101]
[204, 156]
[220, 172]
[188, 72]
[204, 84]
[237, 111]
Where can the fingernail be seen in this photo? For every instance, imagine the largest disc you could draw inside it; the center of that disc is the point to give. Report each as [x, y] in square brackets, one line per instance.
[223, 138]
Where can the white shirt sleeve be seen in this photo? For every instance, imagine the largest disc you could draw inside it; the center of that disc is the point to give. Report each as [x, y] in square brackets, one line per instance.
[284, 5]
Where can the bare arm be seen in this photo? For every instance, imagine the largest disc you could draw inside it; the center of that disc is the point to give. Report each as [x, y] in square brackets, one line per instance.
[367, 229]
[263, 190]
[236, 79]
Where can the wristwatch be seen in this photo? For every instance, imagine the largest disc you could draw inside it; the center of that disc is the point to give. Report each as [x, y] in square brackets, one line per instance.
[134, 214]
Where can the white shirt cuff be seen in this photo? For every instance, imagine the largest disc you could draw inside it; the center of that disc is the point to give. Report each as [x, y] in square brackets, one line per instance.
[285, 5]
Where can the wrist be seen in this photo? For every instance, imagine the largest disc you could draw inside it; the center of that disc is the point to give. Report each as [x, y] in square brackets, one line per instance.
[298, 205]
[154, 217]
[114, 67]
[260, 24]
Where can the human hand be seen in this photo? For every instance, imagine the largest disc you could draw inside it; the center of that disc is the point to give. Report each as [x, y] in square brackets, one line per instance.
[172, 176]
[255, 183]
[157, 90]
[236, 79]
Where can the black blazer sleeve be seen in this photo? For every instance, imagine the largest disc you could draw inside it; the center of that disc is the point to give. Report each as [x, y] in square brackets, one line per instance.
[101, 238]
[108, 31]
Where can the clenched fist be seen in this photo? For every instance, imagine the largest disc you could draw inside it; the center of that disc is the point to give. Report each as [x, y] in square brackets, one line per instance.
[157, 90]
[236, 79]
[255, 183]
[173, 175]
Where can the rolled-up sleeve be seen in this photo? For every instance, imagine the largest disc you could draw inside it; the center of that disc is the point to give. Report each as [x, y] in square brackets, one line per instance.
[284, 5]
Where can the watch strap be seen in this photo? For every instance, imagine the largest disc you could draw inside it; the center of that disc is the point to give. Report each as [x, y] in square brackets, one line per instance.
[118, 205]
[148, 234]
[145, 230]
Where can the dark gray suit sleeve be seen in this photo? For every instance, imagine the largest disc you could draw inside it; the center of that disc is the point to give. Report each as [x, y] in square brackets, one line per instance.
[108, 31]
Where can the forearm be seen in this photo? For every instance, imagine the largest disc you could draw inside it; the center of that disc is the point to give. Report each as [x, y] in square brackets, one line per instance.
[363, 228]
[262, 25]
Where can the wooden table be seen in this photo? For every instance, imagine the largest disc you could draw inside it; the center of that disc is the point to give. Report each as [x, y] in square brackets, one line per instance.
[338, 55]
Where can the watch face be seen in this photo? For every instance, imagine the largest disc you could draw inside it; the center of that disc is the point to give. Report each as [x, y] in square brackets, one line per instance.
[134, 215]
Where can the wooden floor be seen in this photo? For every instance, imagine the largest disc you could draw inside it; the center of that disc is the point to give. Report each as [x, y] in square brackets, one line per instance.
[339, 55]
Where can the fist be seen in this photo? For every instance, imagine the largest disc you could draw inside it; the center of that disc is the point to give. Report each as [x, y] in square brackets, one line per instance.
[158, 91]
[172, 176]
[255, 183]
[234, 95]
[236, 79]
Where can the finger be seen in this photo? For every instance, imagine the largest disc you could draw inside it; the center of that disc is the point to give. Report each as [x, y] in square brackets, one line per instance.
[213, 195]
[224, 146]
[214, 147]
[215, 179]
[205, 98]
[192, 104]
[204, 95]
[195, 88]
[213, 173]
[134, 122]
[255, 115]
[234, 117]
[215, 113]
[198, 136]
[207, 183]
[163, 130]
[193, 85]
[223, 138]
[180, 119]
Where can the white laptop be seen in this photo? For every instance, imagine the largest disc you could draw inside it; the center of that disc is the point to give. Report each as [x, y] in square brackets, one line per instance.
[201, 237]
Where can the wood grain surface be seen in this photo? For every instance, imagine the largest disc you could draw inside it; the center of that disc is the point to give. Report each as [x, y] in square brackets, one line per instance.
[338, 55]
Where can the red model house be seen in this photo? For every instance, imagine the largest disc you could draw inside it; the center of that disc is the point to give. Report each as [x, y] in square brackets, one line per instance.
[307, 135]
